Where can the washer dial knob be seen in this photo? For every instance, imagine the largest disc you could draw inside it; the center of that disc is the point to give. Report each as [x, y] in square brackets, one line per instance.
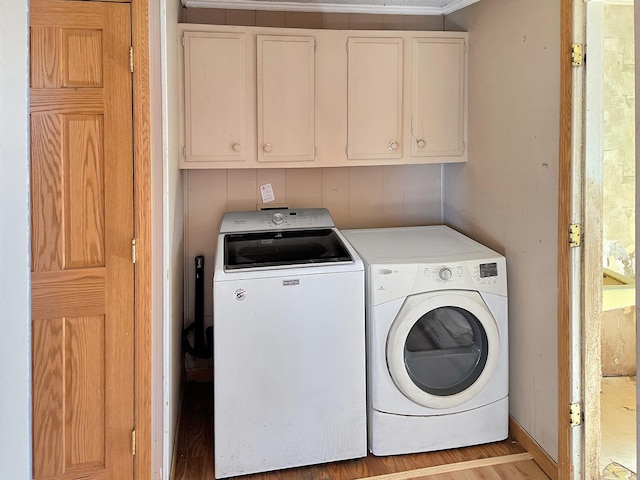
[277, 218]
[445, 274]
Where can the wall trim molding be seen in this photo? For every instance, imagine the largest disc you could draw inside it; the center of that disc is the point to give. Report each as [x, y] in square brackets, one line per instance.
[544, 461]
[331, 7]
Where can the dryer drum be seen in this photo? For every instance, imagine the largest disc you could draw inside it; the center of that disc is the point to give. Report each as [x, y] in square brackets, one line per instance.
[442, 348]
[446, 351]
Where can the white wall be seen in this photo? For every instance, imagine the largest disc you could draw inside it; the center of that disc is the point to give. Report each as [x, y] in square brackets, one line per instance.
[15, 319]
[161, 425]
[170, 203]
[507, 195]
[173, 218]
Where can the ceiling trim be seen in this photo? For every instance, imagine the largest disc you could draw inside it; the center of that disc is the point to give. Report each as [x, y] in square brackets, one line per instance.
[329, 7]
[456, 5]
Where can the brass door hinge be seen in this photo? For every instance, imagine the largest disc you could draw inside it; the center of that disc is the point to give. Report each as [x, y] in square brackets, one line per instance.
[575, 235]
[577, 56]
[575, 414]
[133, 442]
[133, 250]
[131, 59]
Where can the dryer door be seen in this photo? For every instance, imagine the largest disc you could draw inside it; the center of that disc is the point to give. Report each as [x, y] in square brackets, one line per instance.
[443, 347]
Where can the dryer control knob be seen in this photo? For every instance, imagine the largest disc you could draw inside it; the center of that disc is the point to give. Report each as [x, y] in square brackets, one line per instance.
[445, 274]
[277, 218]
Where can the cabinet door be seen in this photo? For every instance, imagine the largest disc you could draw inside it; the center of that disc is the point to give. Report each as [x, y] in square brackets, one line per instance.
[286, 98]
[374, 98]
[216, 97]
[438, 112]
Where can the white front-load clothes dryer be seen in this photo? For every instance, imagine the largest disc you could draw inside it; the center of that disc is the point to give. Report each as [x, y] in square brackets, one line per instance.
[437, 346]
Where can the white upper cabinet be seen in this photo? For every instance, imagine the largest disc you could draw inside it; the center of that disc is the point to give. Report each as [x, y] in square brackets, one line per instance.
[438, 108]
[260, 97]
[374, 98]
[218, 107]
[286, 98]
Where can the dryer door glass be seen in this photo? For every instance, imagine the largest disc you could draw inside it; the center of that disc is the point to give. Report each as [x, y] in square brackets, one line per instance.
[446, 351]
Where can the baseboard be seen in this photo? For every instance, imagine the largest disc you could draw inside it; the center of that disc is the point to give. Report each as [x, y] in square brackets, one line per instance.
[452, 467]
[544, 461]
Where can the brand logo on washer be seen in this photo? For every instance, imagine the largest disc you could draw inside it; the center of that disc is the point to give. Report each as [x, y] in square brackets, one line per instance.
[240, 294]
[288, 283]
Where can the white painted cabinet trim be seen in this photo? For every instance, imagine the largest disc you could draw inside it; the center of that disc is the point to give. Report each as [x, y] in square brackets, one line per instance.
[442, 7]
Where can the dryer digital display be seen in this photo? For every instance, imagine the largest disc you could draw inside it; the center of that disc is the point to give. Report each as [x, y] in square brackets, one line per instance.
[488, 270]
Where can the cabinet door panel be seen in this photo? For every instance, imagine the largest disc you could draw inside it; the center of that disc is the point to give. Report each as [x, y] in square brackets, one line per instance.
[216, 97]
[374, 106]
[286, 98]
[437, 97]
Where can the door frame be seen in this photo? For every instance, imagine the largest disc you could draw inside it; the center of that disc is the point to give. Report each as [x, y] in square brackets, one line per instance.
[143, 230]
[142, 224]
[565, 175]
[636, 26]
[580, 181]
[593, 184]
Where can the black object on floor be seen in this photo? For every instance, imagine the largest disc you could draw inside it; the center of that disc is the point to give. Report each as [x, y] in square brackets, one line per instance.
[202, 340]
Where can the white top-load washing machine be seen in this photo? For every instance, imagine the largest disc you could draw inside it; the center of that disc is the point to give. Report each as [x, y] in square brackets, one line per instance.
[437, 345]
[289, 354]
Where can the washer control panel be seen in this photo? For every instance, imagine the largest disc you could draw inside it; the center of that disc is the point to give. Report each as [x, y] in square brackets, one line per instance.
[281, 219]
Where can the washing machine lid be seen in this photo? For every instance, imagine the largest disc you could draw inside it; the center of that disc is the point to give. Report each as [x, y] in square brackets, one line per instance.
[272, 249]
[443, 348]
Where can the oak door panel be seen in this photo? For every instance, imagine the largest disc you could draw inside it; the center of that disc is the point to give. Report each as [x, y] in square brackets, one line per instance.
[82, 228]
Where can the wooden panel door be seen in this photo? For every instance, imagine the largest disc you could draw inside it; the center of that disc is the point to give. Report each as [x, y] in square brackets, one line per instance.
[218, 96]
[82, 228]
[438, 97]
[374, 99]
[286, 98]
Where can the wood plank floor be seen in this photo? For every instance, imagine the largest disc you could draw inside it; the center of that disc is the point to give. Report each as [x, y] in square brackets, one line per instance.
[194, 460]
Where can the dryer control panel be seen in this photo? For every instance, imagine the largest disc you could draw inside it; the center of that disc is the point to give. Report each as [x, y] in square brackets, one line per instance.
[388, 282]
